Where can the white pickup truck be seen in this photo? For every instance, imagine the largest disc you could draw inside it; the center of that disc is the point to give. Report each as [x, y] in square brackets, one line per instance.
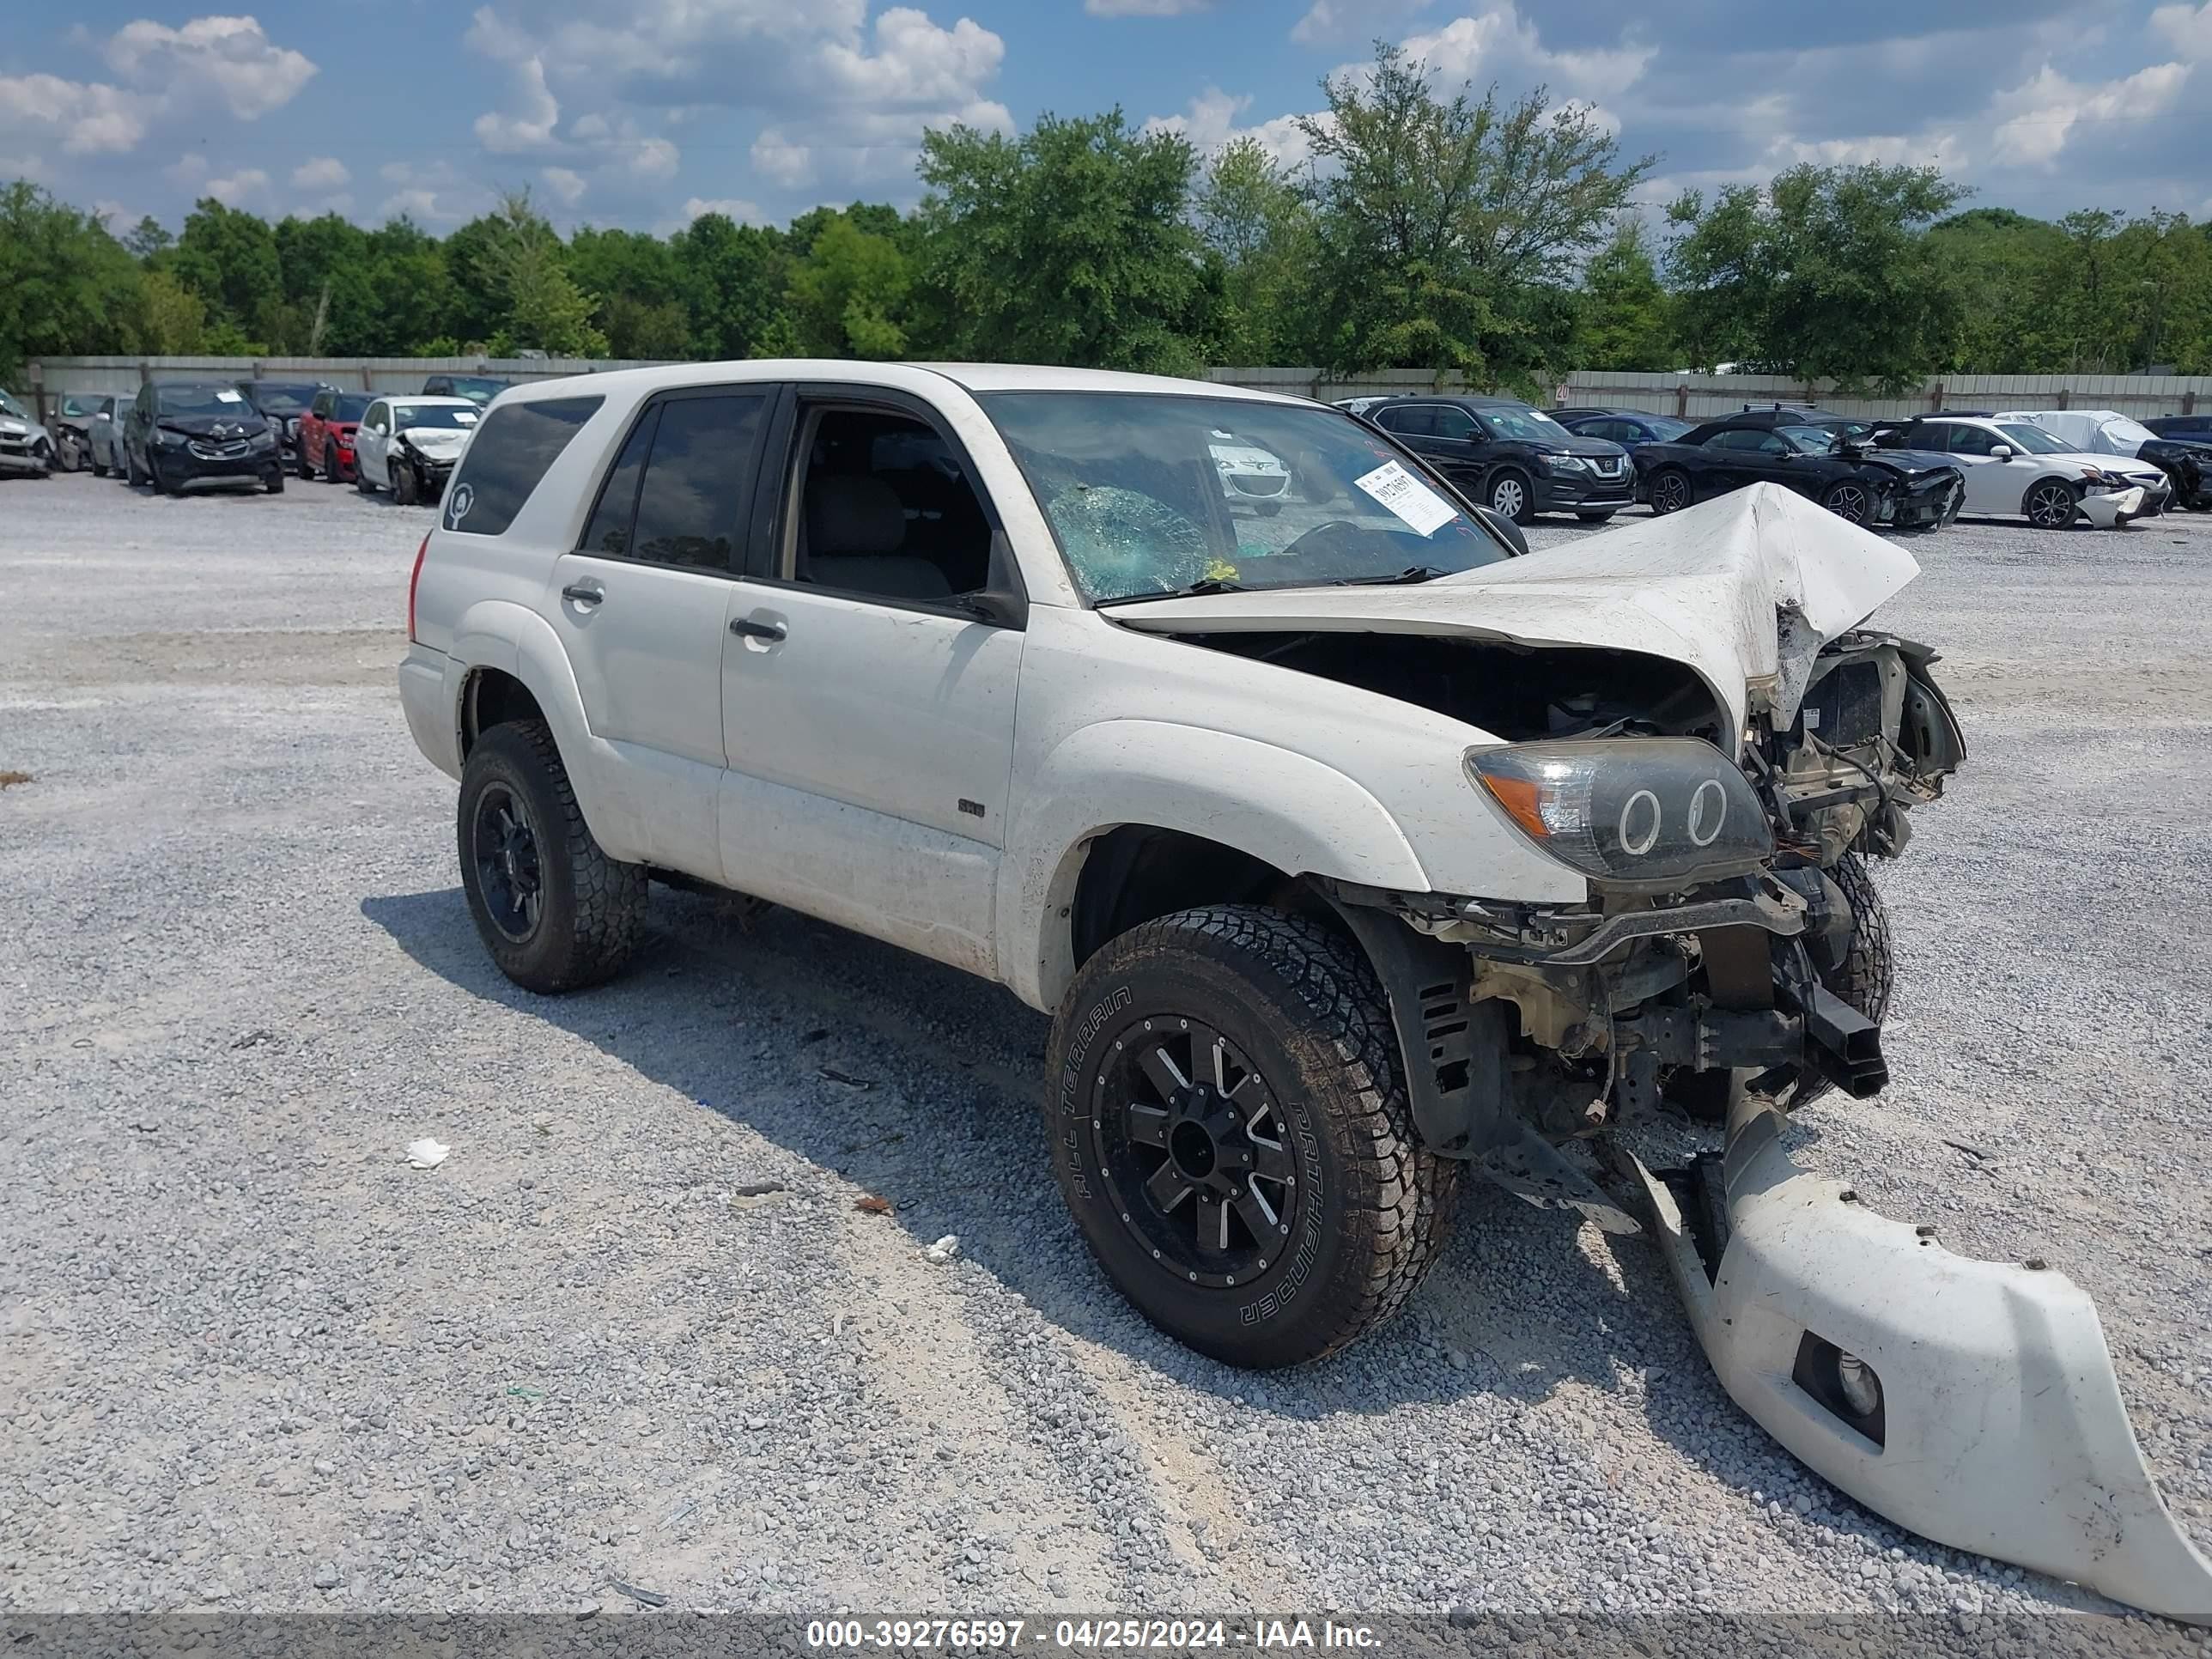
[1352, 854]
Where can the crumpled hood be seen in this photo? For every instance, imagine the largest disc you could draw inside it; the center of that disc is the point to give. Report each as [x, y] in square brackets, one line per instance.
[1743, 589]
[437, 439]
[1910, 462]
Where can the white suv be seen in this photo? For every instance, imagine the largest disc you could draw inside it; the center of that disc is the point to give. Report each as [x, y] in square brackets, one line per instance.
[1349, 849]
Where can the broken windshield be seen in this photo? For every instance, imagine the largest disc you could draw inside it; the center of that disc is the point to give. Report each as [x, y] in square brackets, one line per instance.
[1149, 494]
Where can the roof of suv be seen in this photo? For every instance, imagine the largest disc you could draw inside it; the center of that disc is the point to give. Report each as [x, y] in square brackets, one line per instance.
[974, 377]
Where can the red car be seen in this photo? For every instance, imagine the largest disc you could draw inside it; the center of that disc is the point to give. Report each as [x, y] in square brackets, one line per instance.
[325, 446]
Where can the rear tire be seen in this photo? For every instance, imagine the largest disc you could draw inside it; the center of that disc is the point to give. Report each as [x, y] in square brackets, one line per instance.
[554, 910]
[131, 475]
[360, 478]
[274, 483]
[300, 461]
[1313, 1255]
[100, 469]
[1670, 491]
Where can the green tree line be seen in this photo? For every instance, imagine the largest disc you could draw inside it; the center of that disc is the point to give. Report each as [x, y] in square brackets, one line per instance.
[1427, 228]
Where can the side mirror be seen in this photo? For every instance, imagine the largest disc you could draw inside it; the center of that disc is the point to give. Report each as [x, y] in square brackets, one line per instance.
[2001, 451]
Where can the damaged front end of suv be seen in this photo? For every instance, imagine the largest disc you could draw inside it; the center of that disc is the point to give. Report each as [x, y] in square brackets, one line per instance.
[1694, 717]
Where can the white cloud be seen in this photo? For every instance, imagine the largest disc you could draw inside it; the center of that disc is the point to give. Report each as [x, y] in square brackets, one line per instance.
[246, 184]
[1330, 21]
[231, 57]
[2188, 30]
[740, 211]
[321, 173]
[841, 96]
[433, 196]
[1210, 122]
[1498, 45]
[2035, 119]
[92, 118]
[567, 185]
[25, 167]
[1144, 7]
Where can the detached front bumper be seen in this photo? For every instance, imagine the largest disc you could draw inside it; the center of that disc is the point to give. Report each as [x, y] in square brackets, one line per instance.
[26, 458]
[1973, 1402]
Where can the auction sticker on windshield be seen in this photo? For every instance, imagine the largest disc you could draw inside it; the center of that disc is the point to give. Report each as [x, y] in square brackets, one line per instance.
[1408, 497]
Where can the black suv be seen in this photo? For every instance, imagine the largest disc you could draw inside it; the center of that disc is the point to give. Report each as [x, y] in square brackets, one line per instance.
[477, 388]
[1510, 459]
[181, 433]
[282, 403]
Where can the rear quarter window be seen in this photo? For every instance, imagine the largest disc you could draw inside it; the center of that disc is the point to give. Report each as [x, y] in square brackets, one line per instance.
[510, 453]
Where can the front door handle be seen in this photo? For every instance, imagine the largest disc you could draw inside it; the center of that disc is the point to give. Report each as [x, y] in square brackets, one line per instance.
[756, 630]
[583, 593]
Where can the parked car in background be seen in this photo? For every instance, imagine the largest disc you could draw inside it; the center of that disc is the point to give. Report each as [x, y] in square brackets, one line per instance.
[1251, 477]
[2107, 432]
[324, 448]
[27, 449]
[1630, 428]
[2189, 429]
[409, 445]
[1902, 487]
[2016, 468]
[183, 432]
[104, 438]
[1360, 405]
[71, 429]
[479, 389]
[281, 403]
[1514, 460]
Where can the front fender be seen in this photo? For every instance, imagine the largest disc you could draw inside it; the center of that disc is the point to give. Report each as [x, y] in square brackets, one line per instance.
[1286, 809]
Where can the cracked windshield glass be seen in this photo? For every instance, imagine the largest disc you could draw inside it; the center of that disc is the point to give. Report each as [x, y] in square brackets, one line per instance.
[1151, 495]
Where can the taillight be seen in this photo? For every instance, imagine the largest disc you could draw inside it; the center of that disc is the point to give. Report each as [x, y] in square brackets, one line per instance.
[414, 581]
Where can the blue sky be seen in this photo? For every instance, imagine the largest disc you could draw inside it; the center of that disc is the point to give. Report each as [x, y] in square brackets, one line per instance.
[644, 112]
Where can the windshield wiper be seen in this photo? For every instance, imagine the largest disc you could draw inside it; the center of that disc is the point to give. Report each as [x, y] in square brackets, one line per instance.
[1414, 573]
[1196, 590]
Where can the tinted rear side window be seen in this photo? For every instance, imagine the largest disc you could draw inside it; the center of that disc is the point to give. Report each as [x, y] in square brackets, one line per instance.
[699, 481]
[611, 519]
[510, 453]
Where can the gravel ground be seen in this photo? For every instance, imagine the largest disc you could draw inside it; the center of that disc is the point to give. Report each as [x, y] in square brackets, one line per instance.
[636, 1330]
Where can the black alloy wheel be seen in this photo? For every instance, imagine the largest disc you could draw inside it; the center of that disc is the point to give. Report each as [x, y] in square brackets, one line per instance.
[1671, 492]
[503, 843]
[2051, 504]
[1850, 501]
[1193, 1142]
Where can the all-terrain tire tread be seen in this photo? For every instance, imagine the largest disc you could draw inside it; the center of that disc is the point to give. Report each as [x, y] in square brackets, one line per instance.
[610, 894]
[1406, 1192]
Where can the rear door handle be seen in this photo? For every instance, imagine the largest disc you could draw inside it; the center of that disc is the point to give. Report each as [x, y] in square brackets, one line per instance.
[756, 630]
[583, 593]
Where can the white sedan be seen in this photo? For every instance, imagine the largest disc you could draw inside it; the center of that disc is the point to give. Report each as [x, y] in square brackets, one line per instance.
[409, 445]
[2014, 466]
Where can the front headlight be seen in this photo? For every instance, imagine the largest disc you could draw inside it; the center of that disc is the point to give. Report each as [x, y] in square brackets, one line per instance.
[1646, 812]
[1566, 463]
[264, 439]
[169, 440]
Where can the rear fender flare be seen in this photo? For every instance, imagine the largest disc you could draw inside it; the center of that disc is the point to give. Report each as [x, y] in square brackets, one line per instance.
[515, 640]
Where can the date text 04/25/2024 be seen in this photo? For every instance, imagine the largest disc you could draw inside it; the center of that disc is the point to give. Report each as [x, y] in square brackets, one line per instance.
[1086, 1635]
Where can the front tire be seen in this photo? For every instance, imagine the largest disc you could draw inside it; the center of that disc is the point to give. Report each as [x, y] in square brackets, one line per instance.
[1512, 497]
[1593, 518]
[1231, 1130]
[554, 910]
[403, 484]
[2050, 504]
[1850, 501]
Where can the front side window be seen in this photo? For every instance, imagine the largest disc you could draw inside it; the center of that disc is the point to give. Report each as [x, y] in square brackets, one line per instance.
[508, 457]
[1970, 440]
[1454, 422]
[1136, 488]
[378, 416]
[886, 509]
